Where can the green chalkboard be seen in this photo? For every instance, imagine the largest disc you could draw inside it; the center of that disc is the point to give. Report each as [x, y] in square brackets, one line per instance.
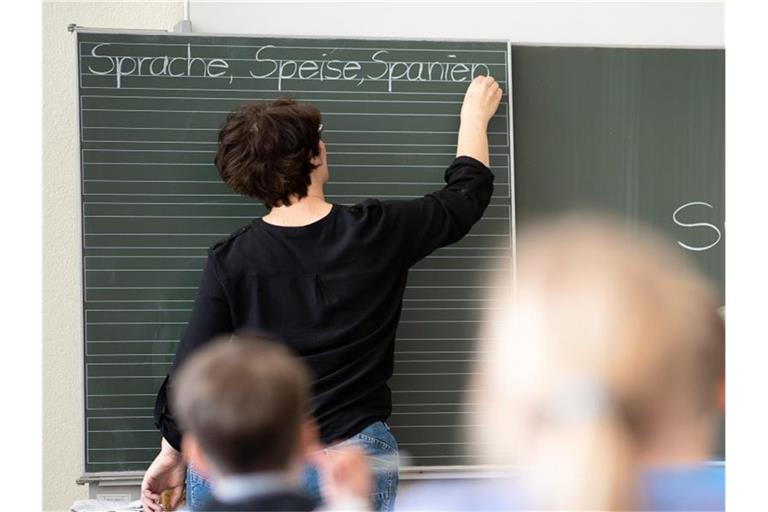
[152, 202]
[639, 133]
[635, 132]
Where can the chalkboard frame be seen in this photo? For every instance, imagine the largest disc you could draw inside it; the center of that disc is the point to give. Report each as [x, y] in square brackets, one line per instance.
[406, 472]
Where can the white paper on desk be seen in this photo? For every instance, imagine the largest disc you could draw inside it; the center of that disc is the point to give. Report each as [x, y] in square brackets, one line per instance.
[105, 506]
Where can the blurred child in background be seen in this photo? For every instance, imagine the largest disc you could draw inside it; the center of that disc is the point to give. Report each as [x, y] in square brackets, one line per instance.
[602, 379]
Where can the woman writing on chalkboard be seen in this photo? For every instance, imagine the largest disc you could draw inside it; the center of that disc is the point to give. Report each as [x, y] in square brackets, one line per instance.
[328, 280]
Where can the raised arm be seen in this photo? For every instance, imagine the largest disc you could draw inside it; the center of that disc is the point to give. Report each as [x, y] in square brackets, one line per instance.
[443, 217]
[480, 103]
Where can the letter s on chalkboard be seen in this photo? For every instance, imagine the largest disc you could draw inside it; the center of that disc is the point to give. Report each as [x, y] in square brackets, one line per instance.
[109, 59]
[696, 225]
[257, 57]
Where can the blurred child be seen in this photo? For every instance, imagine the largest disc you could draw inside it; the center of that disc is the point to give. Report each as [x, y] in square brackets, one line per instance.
[602, 379]
[243, 403]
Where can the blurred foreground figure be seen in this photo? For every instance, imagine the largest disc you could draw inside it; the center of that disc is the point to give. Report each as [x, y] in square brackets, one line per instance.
[602, 379]
[243, 402]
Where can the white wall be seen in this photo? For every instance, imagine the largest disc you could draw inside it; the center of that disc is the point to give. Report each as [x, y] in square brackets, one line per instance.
[678, 24]
[62, 334]
[628, 24]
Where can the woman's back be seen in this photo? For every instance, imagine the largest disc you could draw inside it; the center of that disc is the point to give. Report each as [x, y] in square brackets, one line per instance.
[332, 290]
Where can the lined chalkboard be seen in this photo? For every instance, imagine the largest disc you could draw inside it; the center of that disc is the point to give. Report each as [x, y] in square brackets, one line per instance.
[152, 202]
[637, 132]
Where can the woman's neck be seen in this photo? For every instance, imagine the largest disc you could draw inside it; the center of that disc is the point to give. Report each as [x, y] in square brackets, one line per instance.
[300, 212]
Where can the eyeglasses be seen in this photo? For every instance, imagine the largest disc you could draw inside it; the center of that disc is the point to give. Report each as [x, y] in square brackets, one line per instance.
[320, 129]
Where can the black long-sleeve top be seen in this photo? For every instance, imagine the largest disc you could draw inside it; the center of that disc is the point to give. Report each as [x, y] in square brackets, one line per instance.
[332, 291]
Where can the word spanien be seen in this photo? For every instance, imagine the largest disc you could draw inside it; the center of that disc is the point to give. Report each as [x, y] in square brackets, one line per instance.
[265, 65]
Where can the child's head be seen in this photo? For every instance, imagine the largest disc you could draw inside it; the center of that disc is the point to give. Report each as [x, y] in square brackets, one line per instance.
[609, 355]
[243, 404]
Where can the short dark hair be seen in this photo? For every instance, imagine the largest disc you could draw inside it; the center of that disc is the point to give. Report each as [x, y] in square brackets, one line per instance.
[244, 399]
[265, 149]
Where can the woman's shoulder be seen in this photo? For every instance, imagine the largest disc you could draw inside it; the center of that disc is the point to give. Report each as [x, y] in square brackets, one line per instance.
[223, 245]
[366, 215]
[366, 207]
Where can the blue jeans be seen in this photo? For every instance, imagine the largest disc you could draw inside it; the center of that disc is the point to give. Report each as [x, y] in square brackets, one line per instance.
[377, 442]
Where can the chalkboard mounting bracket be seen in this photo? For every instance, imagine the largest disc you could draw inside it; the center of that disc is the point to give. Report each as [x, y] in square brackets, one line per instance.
[183, 26]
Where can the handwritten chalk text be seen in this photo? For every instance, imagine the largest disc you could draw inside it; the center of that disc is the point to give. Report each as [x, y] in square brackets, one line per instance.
[267, 63]
[122, 66]
[378, 68]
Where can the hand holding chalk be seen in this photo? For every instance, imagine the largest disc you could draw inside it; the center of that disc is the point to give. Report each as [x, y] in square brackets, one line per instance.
[481, 100]
[167, 472]
[480, 103]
